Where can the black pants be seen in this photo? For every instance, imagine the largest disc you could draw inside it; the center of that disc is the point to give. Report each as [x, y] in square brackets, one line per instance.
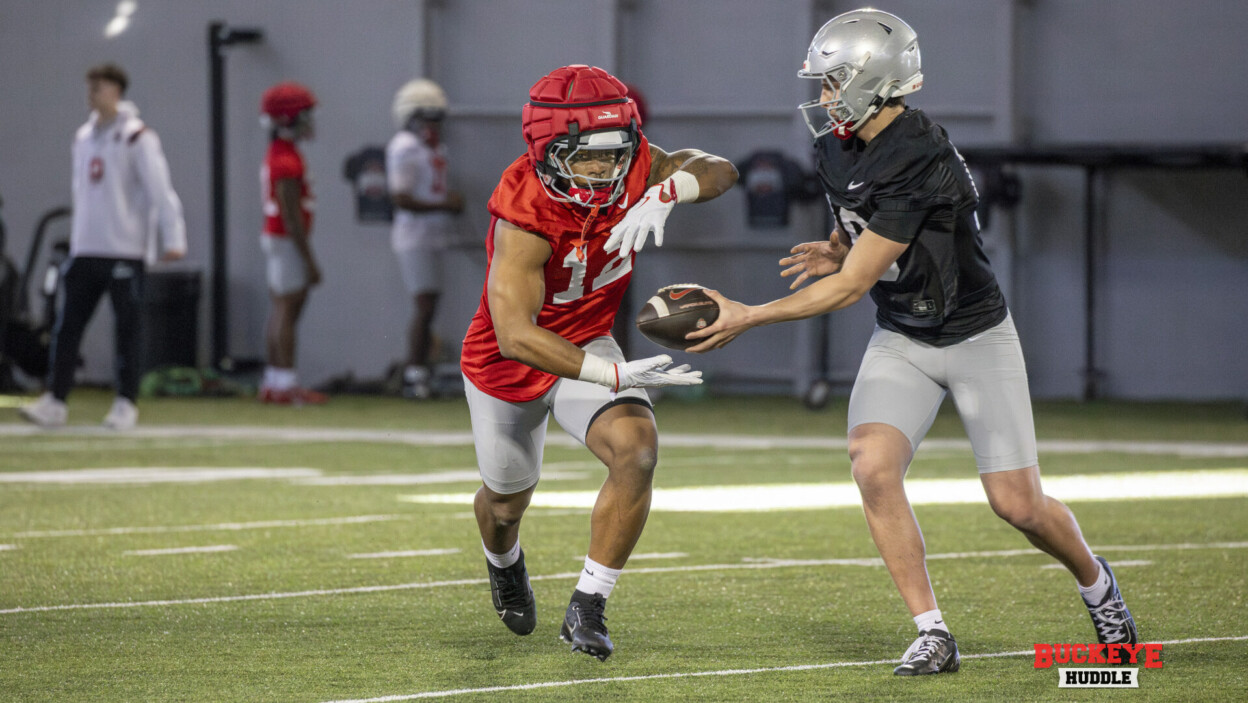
[86, 280]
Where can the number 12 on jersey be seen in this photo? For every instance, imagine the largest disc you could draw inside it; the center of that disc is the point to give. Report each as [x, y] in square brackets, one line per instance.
[615, 269]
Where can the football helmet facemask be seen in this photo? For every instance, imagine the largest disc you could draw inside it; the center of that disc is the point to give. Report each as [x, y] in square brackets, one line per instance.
[861, 58]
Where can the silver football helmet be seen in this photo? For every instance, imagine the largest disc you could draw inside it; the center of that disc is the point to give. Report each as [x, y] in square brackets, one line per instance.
[862, 58]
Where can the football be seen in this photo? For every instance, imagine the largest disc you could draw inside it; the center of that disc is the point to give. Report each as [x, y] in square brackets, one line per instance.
[675, 311]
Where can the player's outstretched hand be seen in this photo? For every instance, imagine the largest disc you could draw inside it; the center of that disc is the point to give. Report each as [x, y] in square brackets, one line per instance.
[733, 320]
[648, 215]
[814, 259]
[654, 372]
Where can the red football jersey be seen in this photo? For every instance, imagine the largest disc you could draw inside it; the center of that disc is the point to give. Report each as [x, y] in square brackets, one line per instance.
[584, 284]
[283, 160]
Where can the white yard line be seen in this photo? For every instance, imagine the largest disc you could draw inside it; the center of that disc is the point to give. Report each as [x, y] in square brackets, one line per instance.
[7, 547]
[434, 476]
[1117, 564]
[720, 672]
[463, 438]
[408, 553]
[180, 550]
[228, 526]
[157, 474]
[752, 565]
[1155, 485]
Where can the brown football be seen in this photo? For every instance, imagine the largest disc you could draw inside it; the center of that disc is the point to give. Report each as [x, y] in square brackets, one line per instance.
[675, 311]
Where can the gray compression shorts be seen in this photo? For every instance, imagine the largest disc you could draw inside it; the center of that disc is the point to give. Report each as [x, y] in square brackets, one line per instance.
[284, 269]
[421, 268]
[509, 437]
[903, 382]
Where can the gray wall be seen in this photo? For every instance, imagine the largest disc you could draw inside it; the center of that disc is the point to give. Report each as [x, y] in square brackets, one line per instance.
[718, 75]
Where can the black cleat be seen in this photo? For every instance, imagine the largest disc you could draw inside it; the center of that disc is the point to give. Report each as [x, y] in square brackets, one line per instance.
[1113, 622]
[934, 652]
[584, 626]
[513, 596]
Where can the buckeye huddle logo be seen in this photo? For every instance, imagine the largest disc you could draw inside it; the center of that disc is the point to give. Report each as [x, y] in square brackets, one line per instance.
[1112, 657]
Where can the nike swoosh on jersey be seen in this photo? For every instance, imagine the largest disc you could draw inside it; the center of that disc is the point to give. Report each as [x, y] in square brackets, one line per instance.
[855, 186]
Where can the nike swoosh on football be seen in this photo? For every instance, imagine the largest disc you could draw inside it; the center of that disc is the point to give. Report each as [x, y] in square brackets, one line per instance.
[677, 295]
[853, 185]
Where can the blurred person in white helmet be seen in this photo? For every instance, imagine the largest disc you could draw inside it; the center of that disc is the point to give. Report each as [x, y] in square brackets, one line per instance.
[424, 206]
[291, 269]
[907, 233]
[121, 185]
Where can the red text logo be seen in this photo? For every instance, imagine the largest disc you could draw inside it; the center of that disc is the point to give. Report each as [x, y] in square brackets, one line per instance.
[1147, 654]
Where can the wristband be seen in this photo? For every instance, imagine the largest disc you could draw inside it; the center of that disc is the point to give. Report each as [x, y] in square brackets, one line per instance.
[686, 187]
[596, 369]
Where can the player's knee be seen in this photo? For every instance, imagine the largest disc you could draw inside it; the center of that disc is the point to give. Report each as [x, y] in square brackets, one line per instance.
[636, 462]
[1023, 514]
[875, 475]
[505, 510]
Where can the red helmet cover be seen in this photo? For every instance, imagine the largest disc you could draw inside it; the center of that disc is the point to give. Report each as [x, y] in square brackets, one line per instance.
[585, 95]
[285, 101]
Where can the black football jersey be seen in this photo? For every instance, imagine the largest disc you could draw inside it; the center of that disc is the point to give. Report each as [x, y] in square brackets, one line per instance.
[910, 185]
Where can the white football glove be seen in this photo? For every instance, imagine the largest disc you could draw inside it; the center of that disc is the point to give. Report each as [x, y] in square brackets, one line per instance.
[648, 215]
[643, 373]
[653, 373]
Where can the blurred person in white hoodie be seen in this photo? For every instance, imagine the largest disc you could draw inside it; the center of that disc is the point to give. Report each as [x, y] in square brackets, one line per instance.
[121, 187]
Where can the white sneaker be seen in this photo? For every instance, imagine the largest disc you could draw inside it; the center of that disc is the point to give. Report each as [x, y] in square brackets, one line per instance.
[47, 411]
[122, 416]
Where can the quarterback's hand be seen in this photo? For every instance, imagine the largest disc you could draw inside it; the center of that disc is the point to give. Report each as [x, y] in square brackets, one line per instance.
[653, 373]
[647, 216]
[733, 320]
[814, 259]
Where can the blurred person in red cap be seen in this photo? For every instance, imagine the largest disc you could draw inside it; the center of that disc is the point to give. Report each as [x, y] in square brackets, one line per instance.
[291, 269]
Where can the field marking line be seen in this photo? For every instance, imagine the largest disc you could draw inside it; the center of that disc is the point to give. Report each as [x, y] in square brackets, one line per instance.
[1117, 564]
[180, 550]
[228, 526]
[719, 672]
[406, 553]
[446, 438]
[754, 564]
[1157, 485]
[7, 547]
[144, 475]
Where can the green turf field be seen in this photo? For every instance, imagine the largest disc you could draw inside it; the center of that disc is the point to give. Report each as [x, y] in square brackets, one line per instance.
[322, 576]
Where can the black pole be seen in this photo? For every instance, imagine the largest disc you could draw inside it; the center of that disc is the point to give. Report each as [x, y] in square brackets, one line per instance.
[219, 37]
[1091, 376]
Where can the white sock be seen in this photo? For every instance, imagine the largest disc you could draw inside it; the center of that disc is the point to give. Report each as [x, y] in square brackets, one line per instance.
[504, 560]
[1094, 594]
[931, 620]
[596, 578]
[284, 379]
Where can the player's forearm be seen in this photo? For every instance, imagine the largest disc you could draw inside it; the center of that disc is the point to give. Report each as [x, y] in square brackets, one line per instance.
[540, 348]
[824, 295]
[403, 201]
[714, 175]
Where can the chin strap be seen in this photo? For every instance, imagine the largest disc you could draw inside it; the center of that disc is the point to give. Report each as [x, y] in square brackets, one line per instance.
[595, 197]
